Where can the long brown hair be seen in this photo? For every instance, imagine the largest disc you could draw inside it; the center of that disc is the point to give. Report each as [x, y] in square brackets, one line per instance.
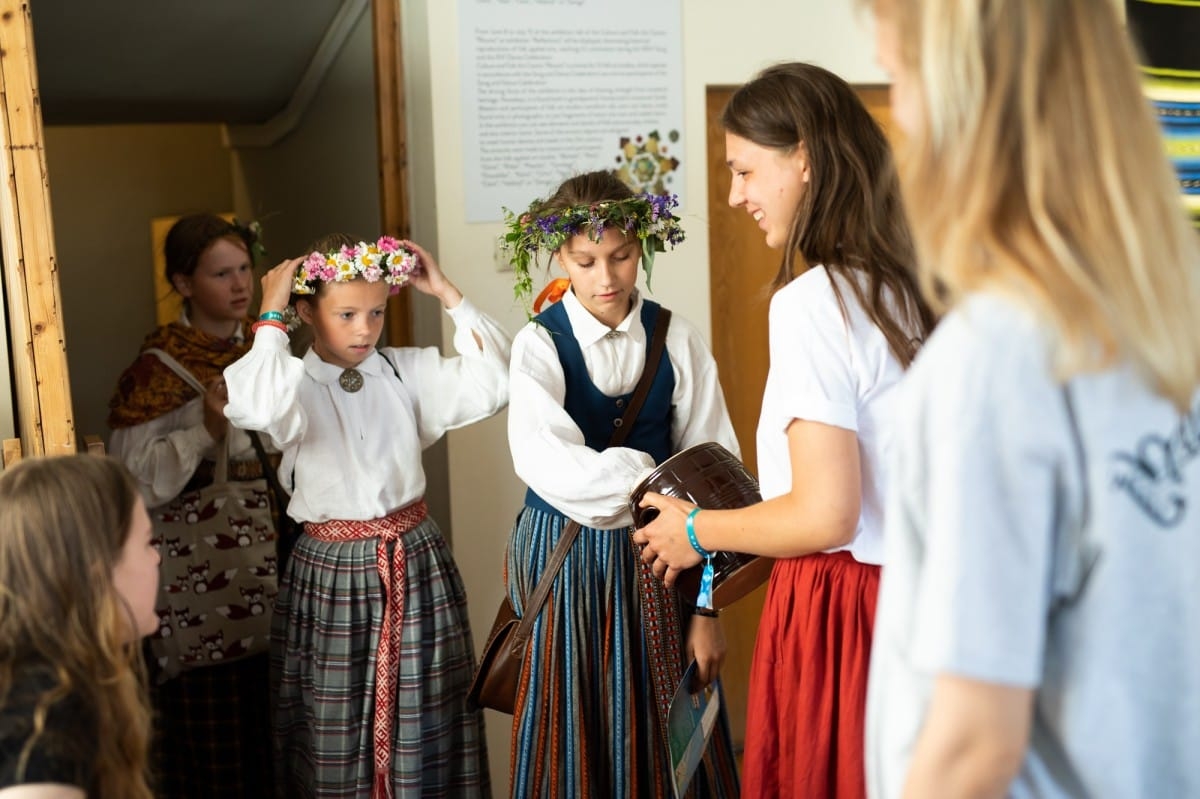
[850, 218]
[1039, 171]
[63, 525]
[585, 189]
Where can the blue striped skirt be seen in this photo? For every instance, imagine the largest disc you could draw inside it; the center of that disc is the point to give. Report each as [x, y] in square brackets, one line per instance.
[324, 638]
[586, 722]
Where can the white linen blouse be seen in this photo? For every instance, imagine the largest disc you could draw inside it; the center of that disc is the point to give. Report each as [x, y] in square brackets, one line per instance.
[548, 449]
[357, 456]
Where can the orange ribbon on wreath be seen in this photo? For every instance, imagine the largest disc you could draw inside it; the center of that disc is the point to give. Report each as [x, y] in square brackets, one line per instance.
[553, 292]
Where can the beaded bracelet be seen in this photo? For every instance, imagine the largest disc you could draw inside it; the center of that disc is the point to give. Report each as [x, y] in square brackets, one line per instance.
[268, 323]
[704, 595]
[269, 315]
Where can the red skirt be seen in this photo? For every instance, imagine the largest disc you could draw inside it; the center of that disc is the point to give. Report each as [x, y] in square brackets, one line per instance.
[808, 681]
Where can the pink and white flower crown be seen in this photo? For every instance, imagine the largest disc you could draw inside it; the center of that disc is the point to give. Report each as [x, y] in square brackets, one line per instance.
[385, 259]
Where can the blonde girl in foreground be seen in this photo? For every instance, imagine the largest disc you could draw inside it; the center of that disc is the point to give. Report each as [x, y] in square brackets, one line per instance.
[1039, 628]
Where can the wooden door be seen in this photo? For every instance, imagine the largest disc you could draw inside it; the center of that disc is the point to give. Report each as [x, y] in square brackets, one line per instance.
[742, 268]
[28, 271]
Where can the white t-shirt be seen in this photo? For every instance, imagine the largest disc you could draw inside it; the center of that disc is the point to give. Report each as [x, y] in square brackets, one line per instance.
[991, 574]
[548, 450]
[357, 456]
[837, 370]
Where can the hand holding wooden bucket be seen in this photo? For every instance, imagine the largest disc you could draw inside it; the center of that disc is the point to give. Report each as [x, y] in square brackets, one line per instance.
[711, 477]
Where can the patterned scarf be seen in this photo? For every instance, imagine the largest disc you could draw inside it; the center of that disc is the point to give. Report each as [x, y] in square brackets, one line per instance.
[148, 389]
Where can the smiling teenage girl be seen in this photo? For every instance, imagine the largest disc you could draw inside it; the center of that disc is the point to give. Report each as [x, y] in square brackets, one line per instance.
[371, 648]
[609, 646]
[814, 170]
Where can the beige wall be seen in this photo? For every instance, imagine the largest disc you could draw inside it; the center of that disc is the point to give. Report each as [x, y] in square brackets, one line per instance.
[106, 183]
[720, 47]
[323, 176]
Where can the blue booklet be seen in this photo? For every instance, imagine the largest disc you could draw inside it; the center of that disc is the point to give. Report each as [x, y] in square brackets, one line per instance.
[690, 723]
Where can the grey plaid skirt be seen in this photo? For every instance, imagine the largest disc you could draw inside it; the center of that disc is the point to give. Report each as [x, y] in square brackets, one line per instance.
[324, 638]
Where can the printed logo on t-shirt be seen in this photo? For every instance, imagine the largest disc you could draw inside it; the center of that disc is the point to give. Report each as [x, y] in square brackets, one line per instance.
[1153, 475]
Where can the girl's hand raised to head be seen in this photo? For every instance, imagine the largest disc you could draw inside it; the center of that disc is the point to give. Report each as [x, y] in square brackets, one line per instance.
[277, 285]
[430, 279]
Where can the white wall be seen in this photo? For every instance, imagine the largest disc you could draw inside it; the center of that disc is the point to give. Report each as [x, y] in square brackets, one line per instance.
[720, 47]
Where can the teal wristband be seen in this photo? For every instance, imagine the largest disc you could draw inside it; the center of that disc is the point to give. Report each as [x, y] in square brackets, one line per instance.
[271, 315]
[691, 534]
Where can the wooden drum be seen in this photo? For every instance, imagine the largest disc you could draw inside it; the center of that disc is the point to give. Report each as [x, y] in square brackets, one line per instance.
[712, 477]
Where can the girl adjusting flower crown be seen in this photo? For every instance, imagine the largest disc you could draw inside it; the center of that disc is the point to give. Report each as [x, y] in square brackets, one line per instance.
[370, 643]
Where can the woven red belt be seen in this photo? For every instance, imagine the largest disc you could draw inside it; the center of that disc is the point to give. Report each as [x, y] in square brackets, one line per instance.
[387, 660]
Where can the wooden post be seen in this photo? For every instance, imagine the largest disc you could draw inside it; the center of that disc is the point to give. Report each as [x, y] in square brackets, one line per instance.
[393, 150]
[45, 419]
[11, 452]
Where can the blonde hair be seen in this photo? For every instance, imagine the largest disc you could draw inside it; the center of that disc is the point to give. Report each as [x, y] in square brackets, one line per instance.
[63, 526]
[1040, 171]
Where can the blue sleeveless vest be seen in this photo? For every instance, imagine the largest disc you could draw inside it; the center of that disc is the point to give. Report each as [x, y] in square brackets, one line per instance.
[596, 413]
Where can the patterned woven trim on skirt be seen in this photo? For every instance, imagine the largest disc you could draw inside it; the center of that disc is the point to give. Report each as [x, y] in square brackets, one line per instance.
[373, 623]
[587, 721]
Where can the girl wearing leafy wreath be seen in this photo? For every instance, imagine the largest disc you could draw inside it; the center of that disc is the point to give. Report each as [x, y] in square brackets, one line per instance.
[597, 680]
[371, 647]
[212, 725]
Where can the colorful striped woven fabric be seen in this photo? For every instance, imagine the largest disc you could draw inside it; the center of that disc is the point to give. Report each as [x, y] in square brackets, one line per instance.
[1167, 32]
[604, 658]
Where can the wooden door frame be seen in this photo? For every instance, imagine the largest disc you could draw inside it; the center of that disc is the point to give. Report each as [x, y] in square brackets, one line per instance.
[41, 389]
[393, 150]
[41, 386]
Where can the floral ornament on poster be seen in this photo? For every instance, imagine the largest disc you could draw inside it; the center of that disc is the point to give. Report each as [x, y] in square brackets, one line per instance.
[644, 165]
[649, 217]
[386, 259]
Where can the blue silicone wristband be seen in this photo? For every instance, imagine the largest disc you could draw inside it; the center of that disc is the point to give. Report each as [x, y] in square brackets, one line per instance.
[691, 533]
[266, 315]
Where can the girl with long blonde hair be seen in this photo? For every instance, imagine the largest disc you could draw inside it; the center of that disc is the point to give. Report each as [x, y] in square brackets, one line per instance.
[78, 580]
[1039, 629]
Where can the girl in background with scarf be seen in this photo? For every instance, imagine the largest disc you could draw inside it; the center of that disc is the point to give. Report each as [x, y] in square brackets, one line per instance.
[212, 734]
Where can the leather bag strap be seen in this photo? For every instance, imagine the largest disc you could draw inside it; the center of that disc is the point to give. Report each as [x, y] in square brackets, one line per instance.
[272, 476]
[540, 592]
[221, 471]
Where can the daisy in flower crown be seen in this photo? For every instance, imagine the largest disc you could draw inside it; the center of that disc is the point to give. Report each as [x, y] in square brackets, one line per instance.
[550, 224]
[387, 258]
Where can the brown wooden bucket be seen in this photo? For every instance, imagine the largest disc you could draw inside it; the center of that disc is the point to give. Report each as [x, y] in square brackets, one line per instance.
[712, 477]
